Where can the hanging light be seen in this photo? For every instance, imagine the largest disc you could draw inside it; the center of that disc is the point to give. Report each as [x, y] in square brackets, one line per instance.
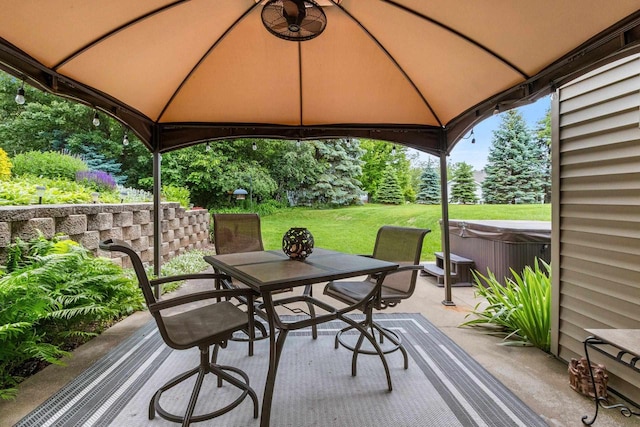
[298, 143]
[96, 119]
[393, 150]
[20, 95]
[473, 138]
[207, 147]
[125, 140]
[254, 146]
[496, 110]
[348, 142]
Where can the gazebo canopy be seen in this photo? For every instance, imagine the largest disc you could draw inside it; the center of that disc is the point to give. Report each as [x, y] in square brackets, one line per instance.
[416, 72]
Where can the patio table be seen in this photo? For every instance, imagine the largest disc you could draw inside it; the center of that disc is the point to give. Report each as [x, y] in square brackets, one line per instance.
[269, 271]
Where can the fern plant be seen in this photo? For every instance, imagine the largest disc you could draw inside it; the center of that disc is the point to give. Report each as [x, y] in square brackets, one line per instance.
[55, 291]
[520, 309]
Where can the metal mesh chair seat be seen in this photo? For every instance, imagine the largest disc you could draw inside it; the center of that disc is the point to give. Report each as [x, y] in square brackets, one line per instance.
[351, 292]
[202, 325]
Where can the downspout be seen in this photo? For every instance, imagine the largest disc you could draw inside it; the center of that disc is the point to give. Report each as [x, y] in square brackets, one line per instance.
[444, 203]
[157, 210]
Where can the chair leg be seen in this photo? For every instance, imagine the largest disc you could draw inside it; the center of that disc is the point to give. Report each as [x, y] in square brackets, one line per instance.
[205, 367]
[369, 324]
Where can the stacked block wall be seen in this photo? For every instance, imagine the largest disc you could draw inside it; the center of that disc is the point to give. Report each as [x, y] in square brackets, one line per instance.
[181, 229]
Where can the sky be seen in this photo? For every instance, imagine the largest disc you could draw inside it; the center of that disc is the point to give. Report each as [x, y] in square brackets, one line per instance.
[476, 154]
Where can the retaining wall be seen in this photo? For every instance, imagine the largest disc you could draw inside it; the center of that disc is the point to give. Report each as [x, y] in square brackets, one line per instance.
[88, 225]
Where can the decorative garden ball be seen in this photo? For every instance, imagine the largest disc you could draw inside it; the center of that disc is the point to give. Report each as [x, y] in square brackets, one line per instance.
[297, 243]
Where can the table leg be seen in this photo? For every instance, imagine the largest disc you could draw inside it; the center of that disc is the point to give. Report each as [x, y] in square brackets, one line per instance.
[593, 382]
[275, 350]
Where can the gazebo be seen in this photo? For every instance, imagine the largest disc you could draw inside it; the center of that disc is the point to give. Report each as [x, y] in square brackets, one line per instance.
[415, 72]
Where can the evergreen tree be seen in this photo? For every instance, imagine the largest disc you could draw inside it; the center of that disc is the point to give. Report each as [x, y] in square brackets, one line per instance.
[389, 191]
[543, 141]
[513, 165]
[337, 183]
[463, 189]
[429, 193]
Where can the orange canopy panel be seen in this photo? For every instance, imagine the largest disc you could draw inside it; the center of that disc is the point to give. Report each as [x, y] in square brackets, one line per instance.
[417, 72]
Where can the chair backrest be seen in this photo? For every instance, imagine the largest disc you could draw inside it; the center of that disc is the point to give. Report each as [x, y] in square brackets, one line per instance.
[233, 233]
[404, 246]
[116, 245]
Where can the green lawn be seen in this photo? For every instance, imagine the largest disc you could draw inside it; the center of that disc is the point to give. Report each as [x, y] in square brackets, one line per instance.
[354, 229]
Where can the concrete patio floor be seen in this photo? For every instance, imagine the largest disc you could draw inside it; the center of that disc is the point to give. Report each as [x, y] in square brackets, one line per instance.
[538, 379]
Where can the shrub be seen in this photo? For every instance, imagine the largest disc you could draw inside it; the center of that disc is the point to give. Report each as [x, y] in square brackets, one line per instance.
[5, 166]
[521, 309]
[181, 195]
[97, 180]
[49, 164]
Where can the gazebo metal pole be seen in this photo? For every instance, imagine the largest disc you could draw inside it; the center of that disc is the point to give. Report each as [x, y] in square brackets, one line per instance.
[157, 217]
[446, 251]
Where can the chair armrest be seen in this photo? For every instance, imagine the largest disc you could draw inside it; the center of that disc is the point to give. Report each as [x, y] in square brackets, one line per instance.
[199, 296]
[168, 279]
[406, 268]
[399, 270]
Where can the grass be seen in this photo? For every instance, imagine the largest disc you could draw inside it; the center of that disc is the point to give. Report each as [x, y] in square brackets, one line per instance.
[353, 229]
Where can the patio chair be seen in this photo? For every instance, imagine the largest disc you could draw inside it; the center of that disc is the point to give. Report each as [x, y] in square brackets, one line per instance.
[194, 320]
[402, 245]
[237, 233]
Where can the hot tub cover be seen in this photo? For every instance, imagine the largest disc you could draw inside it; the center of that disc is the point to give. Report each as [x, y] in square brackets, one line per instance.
[500, 230]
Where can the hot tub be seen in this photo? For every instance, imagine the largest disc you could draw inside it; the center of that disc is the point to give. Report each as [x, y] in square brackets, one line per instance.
[500, 245]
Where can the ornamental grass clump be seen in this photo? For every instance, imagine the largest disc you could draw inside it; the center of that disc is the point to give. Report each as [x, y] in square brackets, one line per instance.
[520, 309]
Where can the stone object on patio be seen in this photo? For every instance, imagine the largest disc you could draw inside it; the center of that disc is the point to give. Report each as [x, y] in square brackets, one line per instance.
[580, 378]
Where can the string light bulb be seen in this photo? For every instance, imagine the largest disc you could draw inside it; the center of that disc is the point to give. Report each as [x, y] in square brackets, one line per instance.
[207, 147]
[496, 110]
[473, 138]
[254, 146]
[96, 119]
[125, 140]
[20, 95]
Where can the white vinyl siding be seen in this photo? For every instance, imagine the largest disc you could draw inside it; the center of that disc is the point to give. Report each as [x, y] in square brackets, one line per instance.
[596, 219]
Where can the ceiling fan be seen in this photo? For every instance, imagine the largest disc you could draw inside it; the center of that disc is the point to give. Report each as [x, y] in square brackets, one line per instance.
[294, 20]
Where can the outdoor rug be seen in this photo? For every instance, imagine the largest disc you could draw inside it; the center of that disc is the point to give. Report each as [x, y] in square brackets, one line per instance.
[442, 387]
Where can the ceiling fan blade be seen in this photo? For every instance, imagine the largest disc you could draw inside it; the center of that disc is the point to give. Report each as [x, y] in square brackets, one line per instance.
[280, 26]
[312, 25]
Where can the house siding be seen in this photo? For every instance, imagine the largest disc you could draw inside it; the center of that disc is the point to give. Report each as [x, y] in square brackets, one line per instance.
[596, 212]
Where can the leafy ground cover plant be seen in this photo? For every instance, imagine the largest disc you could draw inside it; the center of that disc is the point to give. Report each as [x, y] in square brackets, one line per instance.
[520, 309]
[54, 295]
